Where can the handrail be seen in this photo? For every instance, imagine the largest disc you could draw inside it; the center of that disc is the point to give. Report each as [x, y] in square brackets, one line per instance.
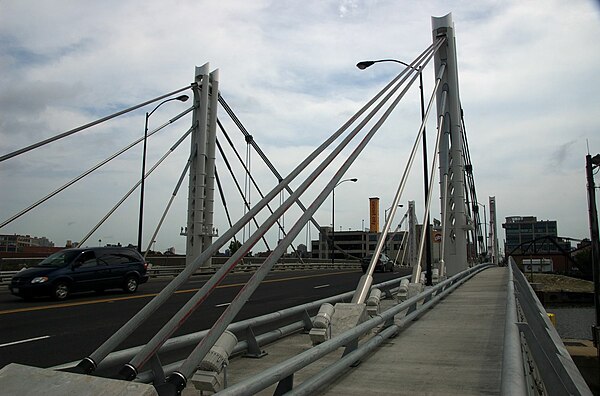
[513, 377]
[119, 357]
[296, 363]
[547, 362]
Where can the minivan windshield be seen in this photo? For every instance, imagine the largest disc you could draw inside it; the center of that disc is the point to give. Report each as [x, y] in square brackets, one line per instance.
[60, 259]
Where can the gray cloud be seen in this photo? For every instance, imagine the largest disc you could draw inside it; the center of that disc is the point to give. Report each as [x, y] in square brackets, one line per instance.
[527, 74]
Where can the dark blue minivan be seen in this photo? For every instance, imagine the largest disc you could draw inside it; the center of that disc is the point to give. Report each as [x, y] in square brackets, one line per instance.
[75, 270]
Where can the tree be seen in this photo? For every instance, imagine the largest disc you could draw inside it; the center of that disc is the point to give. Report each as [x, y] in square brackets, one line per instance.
[234, 246]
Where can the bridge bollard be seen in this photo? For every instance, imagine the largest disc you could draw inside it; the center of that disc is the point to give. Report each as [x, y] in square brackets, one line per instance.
[373, 302]
[402, 290]
[210, 375]
[321, 330]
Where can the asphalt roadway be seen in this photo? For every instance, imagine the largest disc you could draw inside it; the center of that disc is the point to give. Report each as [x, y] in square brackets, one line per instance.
[45, 333]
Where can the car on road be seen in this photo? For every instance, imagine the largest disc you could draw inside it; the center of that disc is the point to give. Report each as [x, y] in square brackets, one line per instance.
[384, 264]
[77, 270]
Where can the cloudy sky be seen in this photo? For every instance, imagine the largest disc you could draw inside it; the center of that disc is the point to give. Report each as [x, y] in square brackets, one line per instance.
[528, 88]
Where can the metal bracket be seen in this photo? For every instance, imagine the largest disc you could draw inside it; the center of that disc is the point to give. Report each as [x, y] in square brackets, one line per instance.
[308, 324]
[285, 385]
[157, 369]
[254, 350]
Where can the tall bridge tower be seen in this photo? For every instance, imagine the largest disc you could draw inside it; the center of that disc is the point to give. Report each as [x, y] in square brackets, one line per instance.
[452, 182]
[200, 227]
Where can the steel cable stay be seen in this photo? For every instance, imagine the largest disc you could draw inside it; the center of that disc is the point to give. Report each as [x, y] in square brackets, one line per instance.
[136, 185]
[93, 168]
[178, 379]
[168, 207]
[251, 178]
[129, 370]
[223, 201]
[89, 364]
[246, 193]
[471, 183]
[418, 266]
[261, 154]
[239, 188]
[366, 280]
[86, 126]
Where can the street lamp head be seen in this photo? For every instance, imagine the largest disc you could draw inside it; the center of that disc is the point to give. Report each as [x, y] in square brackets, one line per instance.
[354, 179]
[364, 64]
[182, 98]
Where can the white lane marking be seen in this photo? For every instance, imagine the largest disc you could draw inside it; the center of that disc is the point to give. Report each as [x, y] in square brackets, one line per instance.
[222, 305]
[23, 341]
[321, 286]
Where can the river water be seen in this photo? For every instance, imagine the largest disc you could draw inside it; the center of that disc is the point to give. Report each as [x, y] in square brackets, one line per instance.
[573, 321]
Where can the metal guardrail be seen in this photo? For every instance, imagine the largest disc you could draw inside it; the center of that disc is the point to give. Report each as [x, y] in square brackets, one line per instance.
[285, 370]
[118, 358]
[157, 271]
[535, 359]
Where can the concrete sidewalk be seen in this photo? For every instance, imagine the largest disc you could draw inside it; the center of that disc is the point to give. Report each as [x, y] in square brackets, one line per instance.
[455, 348]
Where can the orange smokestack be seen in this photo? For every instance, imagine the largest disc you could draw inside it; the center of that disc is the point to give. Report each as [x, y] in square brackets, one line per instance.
[374, 214]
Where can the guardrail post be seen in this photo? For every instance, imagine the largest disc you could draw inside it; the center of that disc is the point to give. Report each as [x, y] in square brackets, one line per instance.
[254, 350]
[308, 324]
[285, 385]
[157, 369]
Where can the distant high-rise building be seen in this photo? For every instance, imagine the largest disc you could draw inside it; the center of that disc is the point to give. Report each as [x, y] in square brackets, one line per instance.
[16, 243]
[523, 229]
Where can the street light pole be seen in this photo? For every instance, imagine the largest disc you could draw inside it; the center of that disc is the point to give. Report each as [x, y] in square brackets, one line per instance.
[354, 180]
[485, 227]
[590, 164]
[181, 98]
[427, 256]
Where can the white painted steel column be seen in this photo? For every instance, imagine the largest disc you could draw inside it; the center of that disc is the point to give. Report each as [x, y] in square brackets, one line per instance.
[209, 200]
[494, 236]
[453, 213]
[197, 181]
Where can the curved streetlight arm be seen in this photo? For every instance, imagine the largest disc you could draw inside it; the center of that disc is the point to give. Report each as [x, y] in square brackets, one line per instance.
[181, 98]
[354, 179]
[364, 64]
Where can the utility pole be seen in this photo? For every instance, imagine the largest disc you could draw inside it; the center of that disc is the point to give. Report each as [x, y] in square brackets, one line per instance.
[590, 164]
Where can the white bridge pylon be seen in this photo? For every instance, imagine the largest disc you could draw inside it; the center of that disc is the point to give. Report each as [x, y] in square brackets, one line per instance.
[452, 181]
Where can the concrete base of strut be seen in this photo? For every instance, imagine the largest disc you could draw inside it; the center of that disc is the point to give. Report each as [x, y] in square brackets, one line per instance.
[414, 289]
[347, 316]
[17, 379]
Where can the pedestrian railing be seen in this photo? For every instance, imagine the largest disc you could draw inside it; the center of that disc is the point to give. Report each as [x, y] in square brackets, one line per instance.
[258, 332]
[535, 360]
[157, 271]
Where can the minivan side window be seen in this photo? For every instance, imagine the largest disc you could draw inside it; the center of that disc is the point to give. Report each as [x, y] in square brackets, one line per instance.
[116, 258]
[87, 259]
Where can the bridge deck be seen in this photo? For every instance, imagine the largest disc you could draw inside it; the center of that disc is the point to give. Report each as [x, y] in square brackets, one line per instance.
[455, 348]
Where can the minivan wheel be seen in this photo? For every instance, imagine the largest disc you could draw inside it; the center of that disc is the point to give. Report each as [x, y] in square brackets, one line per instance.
[131, 284]
[61, 290]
